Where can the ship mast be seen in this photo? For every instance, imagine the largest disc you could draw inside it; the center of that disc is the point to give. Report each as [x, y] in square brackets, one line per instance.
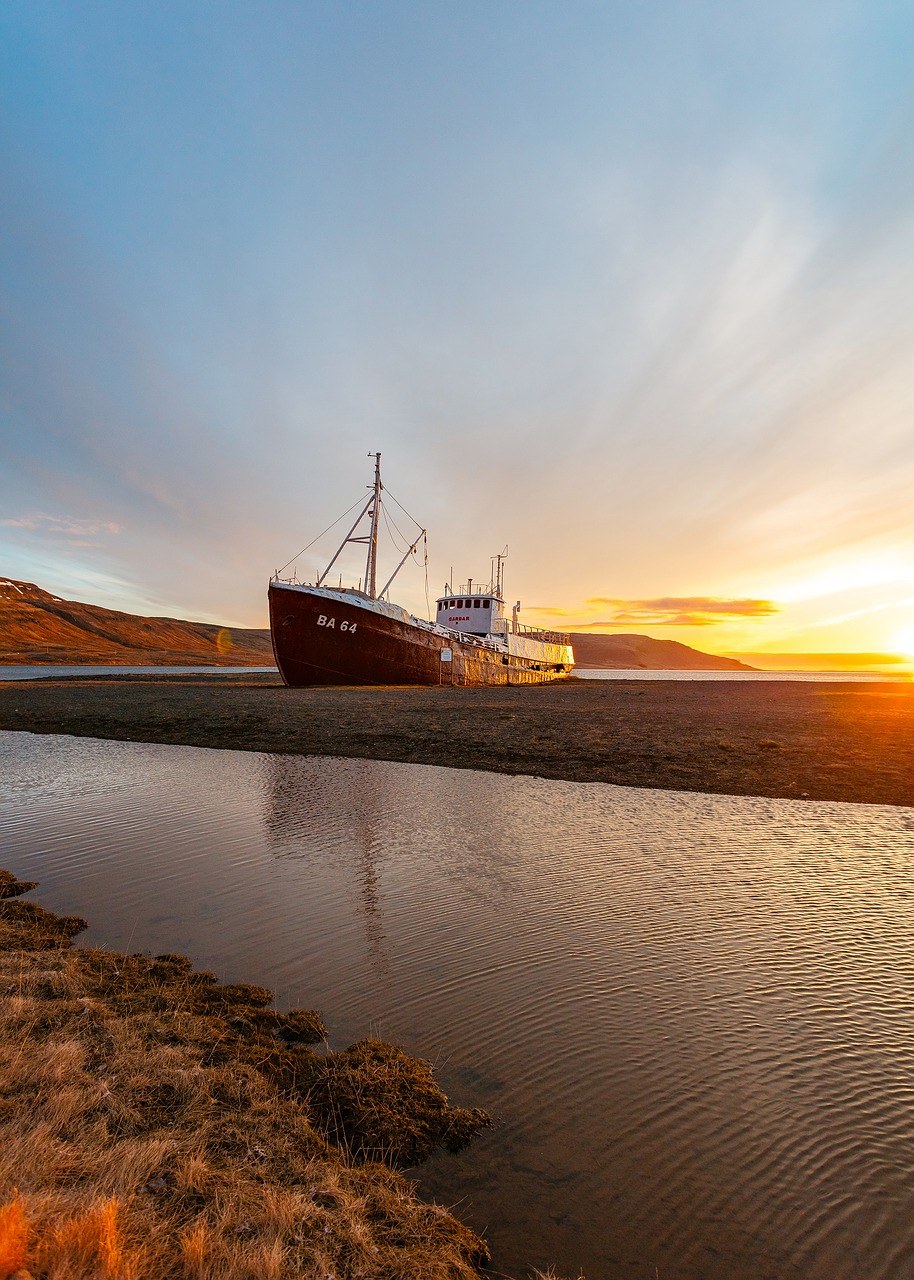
[371, 564]
[371, 508]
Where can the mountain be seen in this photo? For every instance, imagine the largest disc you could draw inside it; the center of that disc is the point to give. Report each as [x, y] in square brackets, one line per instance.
[632, 651]
[37, 627]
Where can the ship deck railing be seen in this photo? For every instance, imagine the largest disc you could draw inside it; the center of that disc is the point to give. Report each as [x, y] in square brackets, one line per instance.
[507, 627]
[491, 641]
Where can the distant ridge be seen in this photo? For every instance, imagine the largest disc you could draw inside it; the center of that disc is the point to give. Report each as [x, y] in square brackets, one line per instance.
[633, 651]
[39, 628]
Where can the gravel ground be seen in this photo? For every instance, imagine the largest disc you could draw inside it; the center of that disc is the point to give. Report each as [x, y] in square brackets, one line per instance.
[820, 741]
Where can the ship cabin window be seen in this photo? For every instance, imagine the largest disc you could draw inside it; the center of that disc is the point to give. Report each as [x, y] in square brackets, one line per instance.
[477, 602]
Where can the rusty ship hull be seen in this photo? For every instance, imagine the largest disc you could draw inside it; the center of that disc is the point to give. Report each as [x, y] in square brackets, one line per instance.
[323, 636]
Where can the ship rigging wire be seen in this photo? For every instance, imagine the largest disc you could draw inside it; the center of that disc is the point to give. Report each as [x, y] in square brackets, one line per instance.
[390, 521]
[403, 509]
[428, 602]
[390, 525]
[292, 559]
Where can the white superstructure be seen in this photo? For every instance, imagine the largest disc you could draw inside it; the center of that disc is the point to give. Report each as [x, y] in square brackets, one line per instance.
[476, 615]
[481, 613]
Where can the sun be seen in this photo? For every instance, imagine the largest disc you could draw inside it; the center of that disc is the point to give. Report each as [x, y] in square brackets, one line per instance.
[903, 641]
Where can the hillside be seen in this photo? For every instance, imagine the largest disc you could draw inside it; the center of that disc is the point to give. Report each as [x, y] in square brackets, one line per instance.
[39, 628]
[632, 651]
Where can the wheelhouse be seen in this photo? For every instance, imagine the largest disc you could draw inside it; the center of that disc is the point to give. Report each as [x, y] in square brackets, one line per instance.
[472, 613]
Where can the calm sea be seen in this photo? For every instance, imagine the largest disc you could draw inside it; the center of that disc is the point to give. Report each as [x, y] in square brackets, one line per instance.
[814, 677]
[56, 673]
[692, 1015]
[635, 673]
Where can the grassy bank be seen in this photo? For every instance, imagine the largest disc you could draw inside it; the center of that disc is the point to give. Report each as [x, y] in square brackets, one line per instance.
[155, 1123]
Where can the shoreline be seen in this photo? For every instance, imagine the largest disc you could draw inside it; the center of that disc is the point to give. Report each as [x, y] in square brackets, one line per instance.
[158, 1122]
[840, 741]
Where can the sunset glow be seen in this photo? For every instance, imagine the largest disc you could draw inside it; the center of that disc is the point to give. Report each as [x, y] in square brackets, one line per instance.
[904, 642]
[627, 290]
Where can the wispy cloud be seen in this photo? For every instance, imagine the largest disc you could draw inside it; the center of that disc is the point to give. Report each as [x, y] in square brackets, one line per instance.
[67, 527]
[667, 342]
[678, 611]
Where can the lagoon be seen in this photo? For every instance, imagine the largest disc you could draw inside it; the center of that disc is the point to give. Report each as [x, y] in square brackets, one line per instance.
[691, 1014]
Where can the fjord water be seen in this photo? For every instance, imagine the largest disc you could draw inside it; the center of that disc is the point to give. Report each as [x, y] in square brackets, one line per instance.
[752, 677]
[83, 672]
[692, 1015]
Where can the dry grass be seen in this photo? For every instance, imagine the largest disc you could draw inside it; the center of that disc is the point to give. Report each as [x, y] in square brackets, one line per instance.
[14, 1237]
[384, 1105]
[155, 1124]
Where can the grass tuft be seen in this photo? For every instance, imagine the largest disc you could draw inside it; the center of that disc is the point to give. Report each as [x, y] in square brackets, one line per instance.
[384, 1105]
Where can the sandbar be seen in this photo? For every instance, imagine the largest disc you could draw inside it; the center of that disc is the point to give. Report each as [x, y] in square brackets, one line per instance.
[818, 741]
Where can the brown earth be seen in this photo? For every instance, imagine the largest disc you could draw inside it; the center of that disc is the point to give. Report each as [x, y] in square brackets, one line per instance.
[37, 628]
[632, 651]
[840, 741]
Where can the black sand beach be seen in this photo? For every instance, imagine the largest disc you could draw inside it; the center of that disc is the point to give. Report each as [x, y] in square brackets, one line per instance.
[839, 741]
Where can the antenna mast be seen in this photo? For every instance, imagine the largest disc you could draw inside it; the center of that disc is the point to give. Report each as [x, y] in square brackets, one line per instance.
[500, 561]
[371, 565]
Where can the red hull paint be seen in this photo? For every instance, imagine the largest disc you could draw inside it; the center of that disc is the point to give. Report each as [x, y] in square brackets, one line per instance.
[366, 647]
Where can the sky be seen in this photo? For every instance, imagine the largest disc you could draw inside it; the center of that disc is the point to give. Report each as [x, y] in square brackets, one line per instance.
[624, 287]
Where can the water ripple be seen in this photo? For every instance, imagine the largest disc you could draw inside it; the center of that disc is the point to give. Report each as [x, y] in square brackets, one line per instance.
[692, 1015]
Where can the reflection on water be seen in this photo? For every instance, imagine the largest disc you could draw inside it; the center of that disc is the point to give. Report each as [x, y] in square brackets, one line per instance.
[692, 1014]
[356, 812]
